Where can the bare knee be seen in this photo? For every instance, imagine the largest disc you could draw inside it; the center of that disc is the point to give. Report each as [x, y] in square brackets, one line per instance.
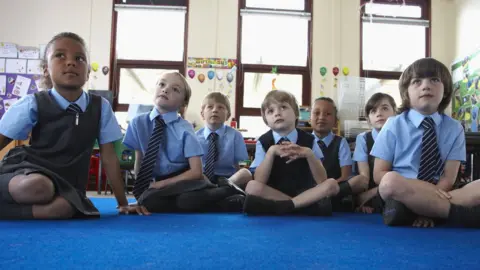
[254, 188]
[331, 186]
[244, 174]
[391, 186]
[31, 189]
[359, 183]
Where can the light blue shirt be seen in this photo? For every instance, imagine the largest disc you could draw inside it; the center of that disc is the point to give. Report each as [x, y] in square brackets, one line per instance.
[231, 149]
[361, 150]
[400, 141]
[22, 116]
[180, 141]
[292, 136]
[344, 153]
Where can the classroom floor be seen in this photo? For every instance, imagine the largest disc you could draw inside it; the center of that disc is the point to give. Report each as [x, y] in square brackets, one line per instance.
[231, 241]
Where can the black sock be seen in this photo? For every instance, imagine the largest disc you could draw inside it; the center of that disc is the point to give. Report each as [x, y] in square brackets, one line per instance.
[396, 213]
[258, 205]
[321, 208]
[15, 211]
[345, 189]
[464, 216]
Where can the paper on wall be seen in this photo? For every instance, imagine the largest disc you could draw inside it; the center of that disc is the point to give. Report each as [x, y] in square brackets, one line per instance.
[16, 66]
[8, 50]
[7, 103]
[42, 50]
[21, 86]
[25, 52]
[2, 65]
[34, 67]
[3, 85]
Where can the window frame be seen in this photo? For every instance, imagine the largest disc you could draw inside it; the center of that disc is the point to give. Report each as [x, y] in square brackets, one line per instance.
[425, 15]
[305, 71]
[117, 64]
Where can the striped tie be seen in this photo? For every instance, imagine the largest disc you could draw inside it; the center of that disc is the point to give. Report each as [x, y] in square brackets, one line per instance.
[430, 160]
[212, 156]
[322, 146]
[145, 175]
[74, 108]
[283, 139]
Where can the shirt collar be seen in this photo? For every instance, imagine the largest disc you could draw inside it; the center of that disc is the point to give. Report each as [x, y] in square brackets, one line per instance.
[417, 118]
[167, 117]
[64, 103]
[207, 131]
[327, 140]
[292, 136]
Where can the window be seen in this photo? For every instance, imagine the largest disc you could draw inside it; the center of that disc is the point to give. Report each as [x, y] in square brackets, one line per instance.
[143, 52]
[266, 62]
[393, 35]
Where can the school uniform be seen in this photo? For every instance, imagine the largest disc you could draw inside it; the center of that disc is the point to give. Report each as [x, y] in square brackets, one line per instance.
[337, 154]
[176, 147]
[400, 143]
[230, 148]
[363, 147]
[292, 178]
[62, 137]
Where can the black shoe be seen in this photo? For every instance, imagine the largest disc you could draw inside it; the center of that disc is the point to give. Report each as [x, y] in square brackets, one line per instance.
[396, 213]
[321, 208]
[223, 181]
[232, 203]
[463, 216]
[259, 206]
[343, 204]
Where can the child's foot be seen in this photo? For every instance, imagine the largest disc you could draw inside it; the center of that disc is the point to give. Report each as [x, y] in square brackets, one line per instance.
[223, 181]
[232, 203]
[258, 205]
[396, 213]
[320, 208]
[365, 209]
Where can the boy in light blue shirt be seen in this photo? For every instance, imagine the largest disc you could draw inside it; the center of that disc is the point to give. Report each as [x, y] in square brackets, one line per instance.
[418, 154]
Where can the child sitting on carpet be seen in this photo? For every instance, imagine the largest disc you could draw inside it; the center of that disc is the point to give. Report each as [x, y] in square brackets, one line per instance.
[168, 155]
[289, 175]
[223, 146]
[419, 151]
[379, 108]
[336, 151]
[47, 179]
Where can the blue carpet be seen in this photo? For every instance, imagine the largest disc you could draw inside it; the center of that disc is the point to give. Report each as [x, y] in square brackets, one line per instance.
[231, 241]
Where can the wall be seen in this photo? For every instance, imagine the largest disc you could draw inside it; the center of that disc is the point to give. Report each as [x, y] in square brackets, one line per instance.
[212, 32]
[467, 20]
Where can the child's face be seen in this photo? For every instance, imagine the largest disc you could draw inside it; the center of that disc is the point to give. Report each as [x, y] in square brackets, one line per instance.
[214, 113]
[425, 94]
[380, 113]
[67, 64]
[323, 116]
[170, 93]
[280, 117]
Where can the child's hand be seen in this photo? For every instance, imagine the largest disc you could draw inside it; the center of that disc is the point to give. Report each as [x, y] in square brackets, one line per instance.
[294, 151]
[443, 194]
[423, 222]
[133, 209]
[158, 184]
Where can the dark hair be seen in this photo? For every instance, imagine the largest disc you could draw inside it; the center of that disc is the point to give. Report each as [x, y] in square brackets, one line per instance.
[374, 100]
[327, 99]
[425, 68]
[46, 82]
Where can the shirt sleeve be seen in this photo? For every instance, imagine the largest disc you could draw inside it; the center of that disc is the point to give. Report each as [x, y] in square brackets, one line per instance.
[191, 145]
[240, 148]
[20, 118]
[109, 128]
[344, 154]
[131, 139]
[384, 146]
[360, 153]
[259, 156]
[458, 151]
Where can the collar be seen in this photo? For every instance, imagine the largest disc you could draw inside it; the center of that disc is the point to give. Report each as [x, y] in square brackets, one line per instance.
[167, 117]
[220, 131]
[417, 118]
[64, 103]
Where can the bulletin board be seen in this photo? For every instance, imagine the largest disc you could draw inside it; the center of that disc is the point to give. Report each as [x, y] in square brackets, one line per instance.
[20, 73]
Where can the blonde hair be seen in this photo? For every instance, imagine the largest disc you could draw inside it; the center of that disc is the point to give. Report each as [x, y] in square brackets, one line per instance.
[279, 96]
[188, 90]
[218, 98]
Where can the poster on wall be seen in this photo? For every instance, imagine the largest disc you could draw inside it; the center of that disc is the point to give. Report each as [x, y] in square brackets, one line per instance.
[466, 90]
[15, 86]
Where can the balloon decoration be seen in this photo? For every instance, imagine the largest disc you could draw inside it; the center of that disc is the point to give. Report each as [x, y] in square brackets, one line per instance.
[323, 72]
[229, 77]
[219, 75]
[273, 84]
[191, 73]
[335, 79]
[345, 71]
[94, 66]
[105, 70]
[201, 77]
[211, 74]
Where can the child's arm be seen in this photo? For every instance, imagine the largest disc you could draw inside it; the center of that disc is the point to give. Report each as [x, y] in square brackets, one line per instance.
[345, 160]
[364, 169]
[360, 155]
[112, 169]
[452, 162]
[316, 166]
[18, 121]
[263, 162]
[194, 173]
[138, 161]
[380, 168]
[313, 155]
[384, 150]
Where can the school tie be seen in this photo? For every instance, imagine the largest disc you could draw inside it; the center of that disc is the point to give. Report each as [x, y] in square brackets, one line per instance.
[145, 175]
[322, 146]
[430, 160]
[74, 108]
[212, 156]
[283, 139]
